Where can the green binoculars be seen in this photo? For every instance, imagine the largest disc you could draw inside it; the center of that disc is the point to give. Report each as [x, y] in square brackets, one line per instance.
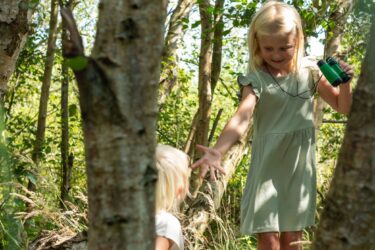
[333, 72]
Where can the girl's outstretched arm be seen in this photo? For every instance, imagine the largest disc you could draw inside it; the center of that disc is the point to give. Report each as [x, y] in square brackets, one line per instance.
[339, 98]
[236, 126]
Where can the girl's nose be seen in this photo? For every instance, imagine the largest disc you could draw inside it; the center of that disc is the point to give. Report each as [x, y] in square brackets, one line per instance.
[276, 57]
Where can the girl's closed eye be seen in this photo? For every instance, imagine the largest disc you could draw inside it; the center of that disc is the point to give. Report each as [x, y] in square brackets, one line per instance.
[287, 48]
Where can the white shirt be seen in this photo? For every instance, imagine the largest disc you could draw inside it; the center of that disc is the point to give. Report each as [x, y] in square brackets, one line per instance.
[168, 226]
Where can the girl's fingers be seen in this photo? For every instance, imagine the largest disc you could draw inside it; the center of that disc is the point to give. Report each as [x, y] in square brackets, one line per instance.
[212, 174]
[346, 67]
[204, 170]
[202, 148]
[197, 163]
[221, 169]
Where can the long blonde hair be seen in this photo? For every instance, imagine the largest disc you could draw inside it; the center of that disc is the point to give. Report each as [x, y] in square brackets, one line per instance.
[275, 18]
[173, 177]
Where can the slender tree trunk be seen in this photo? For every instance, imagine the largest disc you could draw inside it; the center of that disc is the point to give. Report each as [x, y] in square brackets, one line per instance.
[46, 83]
[348, 220]
[217, 43]
[66, 165]
[12, 95]
[202, 121]
[189, 140]
[201, 210]
[118, 99]
[15, 18]
[205, 70]
[172, 42]
[66, 158]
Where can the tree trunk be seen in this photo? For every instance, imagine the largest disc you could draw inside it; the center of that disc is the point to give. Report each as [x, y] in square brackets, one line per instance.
[172, 42]
[202, 121]
[66, 161]
[348, 219]
[205, 70]
[335, 35]
[15, 18]
[118, 99]
[46, 83]
[217, 43]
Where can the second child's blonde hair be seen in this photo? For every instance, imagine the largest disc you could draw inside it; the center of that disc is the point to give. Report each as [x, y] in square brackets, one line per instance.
[274, 18]
[173, 177]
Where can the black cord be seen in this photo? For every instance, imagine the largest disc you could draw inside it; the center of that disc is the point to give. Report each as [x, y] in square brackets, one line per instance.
[299, 95]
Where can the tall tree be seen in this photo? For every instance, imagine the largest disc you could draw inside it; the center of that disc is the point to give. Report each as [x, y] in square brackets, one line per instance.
[66, 159]
[15, 18]
[118, 99]
[200, 125]
[172, 42]
[348, 219]
[210, 56]
[46, 83]
[205, 71]
[217, 47]
[201, 210]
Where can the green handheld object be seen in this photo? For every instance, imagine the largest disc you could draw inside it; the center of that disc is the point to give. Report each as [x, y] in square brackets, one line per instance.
[329, 73]
[336, 67]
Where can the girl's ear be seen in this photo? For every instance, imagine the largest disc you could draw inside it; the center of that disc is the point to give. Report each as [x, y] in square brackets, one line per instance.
[180, 193]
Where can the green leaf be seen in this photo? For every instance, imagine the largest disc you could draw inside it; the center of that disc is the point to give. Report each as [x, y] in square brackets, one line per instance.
[196, 24]
[31, 178]
[72, 110]
[77, 63]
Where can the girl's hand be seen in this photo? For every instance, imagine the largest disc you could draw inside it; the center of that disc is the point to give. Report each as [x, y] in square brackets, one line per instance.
[211, 160]
[348, 69]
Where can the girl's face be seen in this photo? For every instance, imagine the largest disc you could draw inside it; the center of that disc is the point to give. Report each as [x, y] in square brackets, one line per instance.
[277, 50]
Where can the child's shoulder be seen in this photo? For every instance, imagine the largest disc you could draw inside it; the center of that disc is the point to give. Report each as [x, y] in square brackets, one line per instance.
[167, 225]
[164, 218]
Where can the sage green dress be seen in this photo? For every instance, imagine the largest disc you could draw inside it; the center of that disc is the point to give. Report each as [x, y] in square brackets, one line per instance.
[280, 193]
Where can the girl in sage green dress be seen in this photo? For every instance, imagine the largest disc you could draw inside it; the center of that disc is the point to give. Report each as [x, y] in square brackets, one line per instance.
[279, 198]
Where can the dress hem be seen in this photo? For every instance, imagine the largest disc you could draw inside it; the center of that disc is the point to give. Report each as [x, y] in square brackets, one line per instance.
[273, 229]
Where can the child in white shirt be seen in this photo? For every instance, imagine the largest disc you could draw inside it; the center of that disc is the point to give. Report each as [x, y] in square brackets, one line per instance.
[171, 188]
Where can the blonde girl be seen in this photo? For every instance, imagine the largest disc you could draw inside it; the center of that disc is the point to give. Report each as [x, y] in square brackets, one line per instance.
[279, 198]
[171, 188]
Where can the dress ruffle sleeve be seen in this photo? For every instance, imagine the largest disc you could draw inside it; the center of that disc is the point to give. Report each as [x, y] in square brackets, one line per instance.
[250, 80]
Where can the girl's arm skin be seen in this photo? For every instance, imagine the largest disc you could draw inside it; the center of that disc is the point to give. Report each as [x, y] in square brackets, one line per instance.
[339, 98]
[232, 131]
[163, 243]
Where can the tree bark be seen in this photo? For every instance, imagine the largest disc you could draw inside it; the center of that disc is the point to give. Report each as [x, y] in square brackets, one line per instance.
[118, 98]
[172, 42]
[203, 114]
[348, 219]
[46, 83]
[217, 43]
[339, 17]
[66, 161]
[15, 18]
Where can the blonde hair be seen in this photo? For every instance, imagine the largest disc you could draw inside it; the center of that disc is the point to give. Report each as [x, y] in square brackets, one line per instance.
[173, 177]
[274, 18]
